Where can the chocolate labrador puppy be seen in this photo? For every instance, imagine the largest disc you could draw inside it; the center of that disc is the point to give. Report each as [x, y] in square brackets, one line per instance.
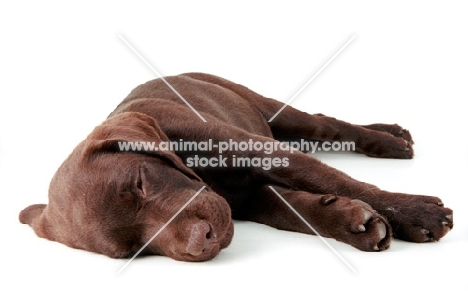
[123, 183]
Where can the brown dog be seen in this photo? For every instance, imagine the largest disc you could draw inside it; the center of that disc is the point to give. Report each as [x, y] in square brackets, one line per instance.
[110, 200]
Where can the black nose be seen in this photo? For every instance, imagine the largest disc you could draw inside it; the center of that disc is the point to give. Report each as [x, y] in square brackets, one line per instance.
[202, 238]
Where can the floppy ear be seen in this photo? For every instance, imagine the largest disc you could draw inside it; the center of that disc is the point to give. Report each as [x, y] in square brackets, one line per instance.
[33, 216]
[134, 127]
[31, 213]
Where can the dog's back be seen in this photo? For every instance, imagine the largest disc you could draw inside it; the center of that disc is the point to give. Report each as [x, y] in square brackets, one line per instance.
[214, 98]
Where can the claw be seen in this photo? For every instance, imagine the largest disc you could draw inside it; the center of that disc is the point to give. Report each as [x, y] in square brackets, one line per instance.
[382, 230]
[327, 199]
[407, 146]
[361, 228]
[424, 231]
[440, 203]
[366, 215]
[449, 217]
[444, 223]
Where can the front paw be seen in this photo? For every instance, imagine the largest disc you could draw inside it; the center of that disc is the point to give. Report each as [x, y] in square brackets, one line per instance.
[418, 218]
[355, 222]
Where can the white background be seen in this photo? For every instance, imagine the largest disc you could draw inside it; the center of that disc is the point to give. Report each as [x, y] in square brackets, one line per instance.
[63, 69]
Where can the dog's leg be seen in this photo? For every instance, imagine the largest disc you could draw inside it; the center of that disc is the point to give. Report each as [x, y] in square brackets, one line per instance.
[415, 218]
[375, 140]
[412, 217]
[350, 221]
[378, 140]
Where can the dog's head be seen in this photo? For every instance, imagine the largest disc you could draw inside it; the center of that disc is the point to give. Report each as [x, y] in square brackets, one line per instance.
[111, 201]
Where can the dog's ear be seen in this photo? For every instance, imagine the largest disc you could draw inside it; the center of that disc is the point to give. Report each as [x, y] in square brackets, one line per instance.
[133, 132]
[31, 213]
[33, 216]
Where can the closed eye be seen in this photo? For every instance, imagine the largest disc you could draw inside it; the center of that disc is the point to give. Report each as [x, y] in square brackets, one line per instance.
[139, 183]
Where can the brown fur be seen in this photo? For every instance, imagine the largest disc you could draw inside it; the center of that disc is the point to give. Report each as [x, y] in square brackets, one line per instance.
[112, 202]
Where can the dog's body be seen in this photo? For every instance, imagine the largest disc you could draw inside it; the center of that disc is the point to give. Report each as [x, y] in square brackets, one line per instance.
[112, 202]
